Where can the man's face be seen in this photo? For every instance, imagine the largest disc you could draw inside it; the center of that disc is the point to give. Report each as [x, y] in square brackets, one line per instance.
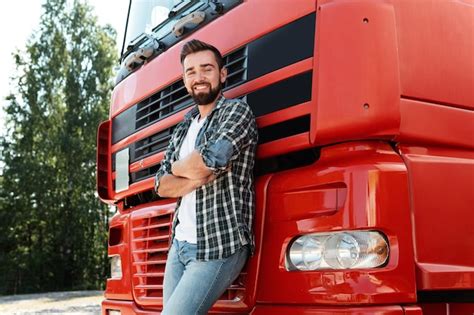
[202, 77]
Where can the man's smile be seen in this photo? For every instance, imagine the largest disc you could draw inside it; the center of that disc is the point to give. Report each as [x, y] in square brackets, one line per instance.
[201, 86]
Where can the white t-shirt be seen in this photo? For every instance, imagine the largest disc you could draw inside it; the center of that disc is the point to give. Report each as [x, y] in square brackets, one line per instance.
[186, 229]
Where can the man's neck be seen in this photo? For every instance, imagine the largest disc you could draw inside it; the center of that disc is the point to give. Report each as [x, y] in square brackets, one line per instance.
[205, 110]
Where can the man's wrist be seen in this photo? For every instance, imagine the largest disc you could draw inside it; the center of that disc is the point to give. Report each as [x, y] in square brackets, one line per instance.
[172, 169]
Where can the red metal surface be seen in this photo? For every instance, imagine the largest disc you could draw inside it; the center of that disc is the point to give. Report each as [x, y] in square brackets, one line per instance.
[373, 180]
[146, 162]
[121, 288]
[442, 194]
[320, 310]
[436, 50]
[129, 308]
[435, 124]
[412, 310]
[356, 79]
[125, 308]
[282, 146]
[136, 188]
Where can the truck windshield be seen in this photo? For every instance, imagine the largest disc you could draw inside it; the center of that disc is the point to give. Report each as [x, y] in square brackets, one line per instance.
[145, 15]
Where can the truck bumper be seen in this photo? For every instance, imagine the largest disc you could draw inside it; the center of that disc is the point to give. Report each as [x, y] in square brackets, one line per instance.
[321, 310]
[130, 308]
[125, 307]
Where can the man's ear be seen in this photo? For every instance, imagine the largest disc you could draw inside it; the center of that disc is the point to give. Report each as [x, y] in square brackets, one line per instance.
[223, 74]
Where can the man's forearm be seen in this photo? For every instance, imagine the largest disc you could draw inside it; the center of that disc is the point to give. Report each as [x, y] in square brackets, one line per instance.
[192, 166]
[173, 186]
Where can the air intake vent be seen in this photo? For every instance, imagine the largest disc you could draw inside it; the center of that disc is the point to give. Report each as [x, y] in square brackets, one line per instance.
[236, 64]
[144, 174]
[150, 145]
[166, 102]
[150, 242]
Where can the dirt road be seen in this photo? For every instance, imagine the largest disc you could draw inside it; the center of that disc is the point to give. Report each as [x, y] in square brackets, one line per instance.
[74, 302]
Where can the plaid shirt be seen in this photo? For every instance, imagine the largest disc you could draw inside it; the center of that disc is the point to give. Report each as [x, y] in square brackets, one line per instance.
[224, 207]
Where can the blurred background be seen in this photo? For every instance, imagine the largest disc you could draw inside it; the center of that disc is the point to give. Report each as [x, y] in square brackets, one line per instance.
[57, 61]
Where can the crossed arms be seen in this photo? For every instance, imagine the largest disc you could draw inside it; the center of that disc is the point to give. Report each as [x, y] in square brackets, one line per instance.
[186, 175]
[210, 159]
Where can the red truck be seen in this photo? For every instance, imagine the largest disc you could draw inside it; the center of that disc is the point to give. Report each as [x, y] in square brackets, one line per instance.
[365, 165]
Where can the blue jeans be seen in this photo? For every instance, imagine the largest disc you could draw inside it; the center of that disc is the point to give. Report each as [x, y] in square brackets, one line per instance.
[192, 286]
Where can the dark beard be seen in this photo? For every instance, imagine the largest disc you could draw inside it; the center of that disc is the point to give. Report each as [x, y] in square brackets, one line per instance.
[207, 98]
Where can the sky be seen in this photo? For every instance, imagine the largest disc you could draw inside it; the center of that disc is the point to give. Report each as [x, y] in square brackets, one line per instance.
[20, 18]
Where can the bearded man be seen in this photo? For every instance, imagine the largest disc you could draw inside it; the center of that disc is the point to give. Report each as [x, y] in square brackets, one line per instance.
[208, 166]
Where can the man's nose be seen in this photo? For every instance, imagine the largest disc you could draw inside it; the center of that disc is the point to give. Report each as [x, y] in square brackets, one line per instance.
[200, 76]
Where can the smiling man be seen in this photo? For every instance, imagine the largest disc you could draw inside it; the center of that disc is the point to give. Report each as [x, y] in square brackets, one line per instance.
[208, 166]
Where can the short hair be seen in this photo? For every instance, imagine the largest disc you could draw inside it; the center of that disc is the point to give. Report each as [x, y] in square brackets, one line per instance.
[194, 46]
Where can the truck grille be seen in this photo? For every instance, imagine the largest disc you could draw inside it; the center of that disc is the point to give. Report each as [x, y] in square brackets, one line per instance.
[150, 145]
[162, 104]
[150, 243]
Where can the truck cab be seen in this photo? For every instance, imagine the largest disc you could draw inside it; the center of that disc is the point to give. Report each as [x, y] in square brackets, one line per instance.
[365, 164]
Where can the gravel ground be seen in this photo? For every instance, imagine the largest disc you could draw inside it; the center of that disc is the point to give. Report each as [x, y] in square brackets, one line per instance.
[73, 302]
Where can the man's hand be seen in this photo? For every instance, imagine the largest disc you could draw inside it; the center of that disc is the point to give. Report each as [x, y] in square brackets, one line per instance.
[203, 181]
[192, 166]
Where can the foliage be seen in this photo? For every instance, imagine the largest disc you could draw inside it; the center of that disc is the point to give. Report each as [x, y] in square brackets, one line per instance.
[52, 226]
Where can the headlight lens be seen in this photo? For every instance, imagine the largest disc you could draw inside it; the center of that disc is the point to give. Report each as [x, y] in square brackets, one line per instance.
[115, 267]
[338, 250]
[306, 253]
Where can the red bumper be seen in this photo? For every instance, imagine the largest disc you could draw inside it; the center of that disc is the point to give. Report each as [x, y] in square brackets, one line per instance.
[130, 308]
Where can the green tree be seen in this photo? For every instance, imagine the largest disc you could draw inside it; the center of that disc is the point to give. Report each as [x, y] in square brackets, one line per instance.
[53, 229]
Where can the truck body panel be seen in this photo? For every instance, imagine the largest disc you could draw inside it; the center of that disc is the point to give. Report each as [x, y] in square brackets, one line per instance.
[366, 123]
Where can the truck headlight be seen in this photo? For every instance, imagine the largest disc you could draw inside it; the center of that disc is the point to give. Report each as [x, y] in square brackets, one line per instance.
[338, 250]
[115, 267]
